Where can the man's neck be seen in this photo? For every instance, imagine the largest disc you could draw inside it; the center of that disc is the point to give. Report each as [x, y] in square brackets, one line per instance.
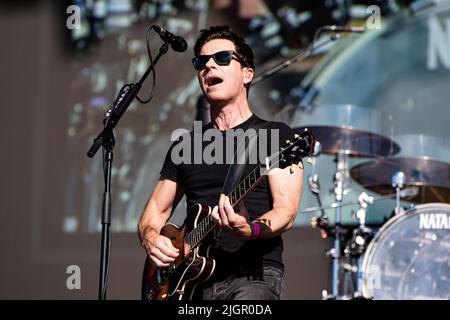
[230, 115]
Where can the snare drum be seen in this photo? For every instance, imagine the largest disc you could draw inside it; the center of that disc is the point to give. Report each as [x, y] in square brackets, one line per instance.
[409, 258]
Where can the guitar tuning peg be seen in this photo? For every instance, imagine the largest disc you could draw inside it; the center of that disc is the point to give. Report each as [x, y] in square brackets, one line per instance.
[291, 170]
[309, 160]
[288, 141]
[300, 165]
[296, 136]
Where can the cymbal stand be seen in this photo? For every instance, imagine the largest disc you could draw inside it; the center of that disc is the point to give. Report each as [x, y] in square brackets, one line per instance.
[340, 179]
[360, 239]
[398, 181]
[314, 188]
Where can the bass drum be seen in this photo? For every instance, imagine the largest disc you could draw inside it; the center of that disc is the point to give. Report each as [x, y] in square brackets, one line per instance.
[409, 258]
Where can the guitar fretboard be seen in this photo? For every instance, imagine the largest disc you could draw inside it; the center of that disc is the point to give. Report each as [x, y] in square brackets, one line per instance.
[207, 224]
[302, 146]
[248, 183]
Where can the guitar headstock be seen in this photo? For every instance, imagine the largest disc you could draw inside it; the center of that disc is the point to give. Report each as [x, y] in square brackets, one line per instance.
[293, 151]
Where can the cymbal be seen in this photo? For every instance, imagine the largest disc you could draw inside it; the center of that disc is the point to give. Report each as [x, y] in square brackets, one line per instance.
[351, 141]
[430, 177]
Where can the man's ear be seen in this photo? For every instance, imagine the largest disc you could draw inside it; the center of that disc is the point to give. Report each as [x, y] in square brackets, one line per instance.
[248, 75]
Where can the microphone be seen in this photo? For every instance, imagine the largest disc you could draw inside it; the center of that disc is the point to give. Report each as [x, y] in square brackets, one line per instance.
[177, 43]
[336, 28]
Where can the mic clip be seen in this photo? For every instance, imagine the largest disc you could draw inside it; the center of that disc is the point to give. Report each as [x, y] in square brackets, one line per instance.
[177, 43]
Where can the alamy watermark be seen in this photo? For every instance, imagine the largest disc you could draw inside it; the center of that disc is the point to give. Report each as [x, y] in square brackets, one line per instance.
[212, 146]
[73, 281]
[74, 19]
[374, 19]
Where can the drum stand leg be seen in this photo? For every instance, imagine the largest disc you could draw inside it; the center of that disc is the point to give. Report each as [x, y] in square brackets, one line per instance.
[339, 179]
[360, 240]
[336, 256]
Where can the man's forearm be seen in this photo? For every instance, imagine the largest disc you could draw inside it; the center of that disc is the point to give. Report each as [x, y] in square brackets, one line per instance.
[275, 222]
[152, 221]
[270, 224]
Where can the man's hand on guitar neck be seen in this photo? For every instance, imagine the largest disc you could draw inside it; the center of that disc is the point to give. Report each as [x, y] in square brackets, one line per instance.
[272, 223]
[236, 220]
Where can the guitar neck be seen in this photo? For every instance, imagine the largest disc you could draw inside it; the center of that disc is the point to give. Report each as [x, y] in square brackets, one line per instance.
[291, 152]
[247, 184]
[237, 194]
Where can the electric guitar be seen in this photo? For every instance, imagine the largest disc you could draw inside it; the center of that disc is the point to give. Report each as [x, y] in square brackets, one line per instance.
[194, 237]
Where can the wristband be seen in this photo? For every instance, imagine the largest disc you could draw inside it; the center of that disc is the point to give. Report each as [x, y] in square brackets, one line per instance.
[256, 230]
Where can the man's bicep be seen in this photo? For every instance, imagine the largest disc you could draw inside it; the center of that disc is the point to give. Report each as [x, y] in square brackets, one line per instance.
[167, 195]
[286, 187]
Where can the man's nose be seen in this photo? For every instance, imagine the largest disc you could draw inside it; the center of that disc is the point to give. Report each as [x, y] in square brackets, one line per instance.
[210, 63]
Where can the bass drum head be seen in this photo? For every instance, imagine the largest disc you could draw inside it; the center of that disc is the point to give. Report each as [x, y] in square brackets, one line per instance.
[409, 258]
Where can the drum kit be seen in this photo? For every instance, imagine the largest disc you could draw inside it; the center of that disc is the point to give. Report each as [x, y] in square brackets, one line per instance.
[407, 257]
[386, 127]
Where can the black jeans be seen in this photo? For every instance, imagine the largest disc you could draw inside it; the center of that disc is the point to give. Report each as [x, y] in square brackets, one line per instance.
[265, 284]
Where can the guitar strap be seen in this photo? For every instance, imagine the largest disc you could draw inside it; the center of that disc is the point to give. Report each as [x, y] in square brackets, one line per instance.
[240, 160]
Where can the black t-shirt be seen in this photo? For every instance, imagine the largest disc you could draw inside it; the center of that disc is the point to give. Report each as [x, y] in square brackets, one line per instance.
[203, 183]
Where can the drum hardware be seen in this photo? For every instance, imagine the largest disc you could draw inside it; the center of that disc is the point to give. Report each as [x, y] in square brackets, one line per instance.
[408, 257]
[349, 267]
[419, 5]
[424, 181]
[407, 192]
[352, 142]
[312, 48]
[357, 244]
[398, 181]
[398, 261]
[340, 178]
[314, 187]
[354, 248]
[364, 200]
[323, 224]
[361, 237]
[428, 177]
[313, 179]
[343, 142]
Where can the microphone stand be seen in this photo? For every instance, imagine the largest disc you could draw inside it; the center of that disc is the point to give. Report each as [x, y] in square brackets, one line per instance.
[106, 140]
[299, 57]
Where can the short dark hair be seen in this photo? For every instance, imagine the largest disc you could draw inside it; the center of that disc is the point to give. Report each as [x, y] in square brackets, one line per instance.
[224, 32]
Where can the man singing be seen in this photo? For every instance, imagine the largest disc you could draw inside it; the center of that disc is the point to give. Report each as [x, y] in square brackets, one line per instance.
[248, 248]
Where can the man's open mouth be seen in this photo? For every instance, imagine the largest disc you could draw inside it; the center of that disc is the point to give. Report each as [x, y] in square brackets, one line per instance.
[212, 81]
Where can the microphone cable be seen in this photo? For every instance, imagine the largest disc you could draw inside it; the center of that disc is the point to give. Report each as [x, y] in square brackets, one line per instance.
[152, 66]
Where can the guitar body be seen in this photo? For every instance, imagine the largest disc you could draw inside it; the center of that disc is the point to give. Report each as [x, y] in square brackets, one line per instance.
[191, 267]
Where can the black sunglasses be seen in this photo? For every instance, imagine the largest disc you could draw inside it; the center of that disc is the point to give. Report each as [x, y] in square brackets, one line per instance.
[222, 58]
